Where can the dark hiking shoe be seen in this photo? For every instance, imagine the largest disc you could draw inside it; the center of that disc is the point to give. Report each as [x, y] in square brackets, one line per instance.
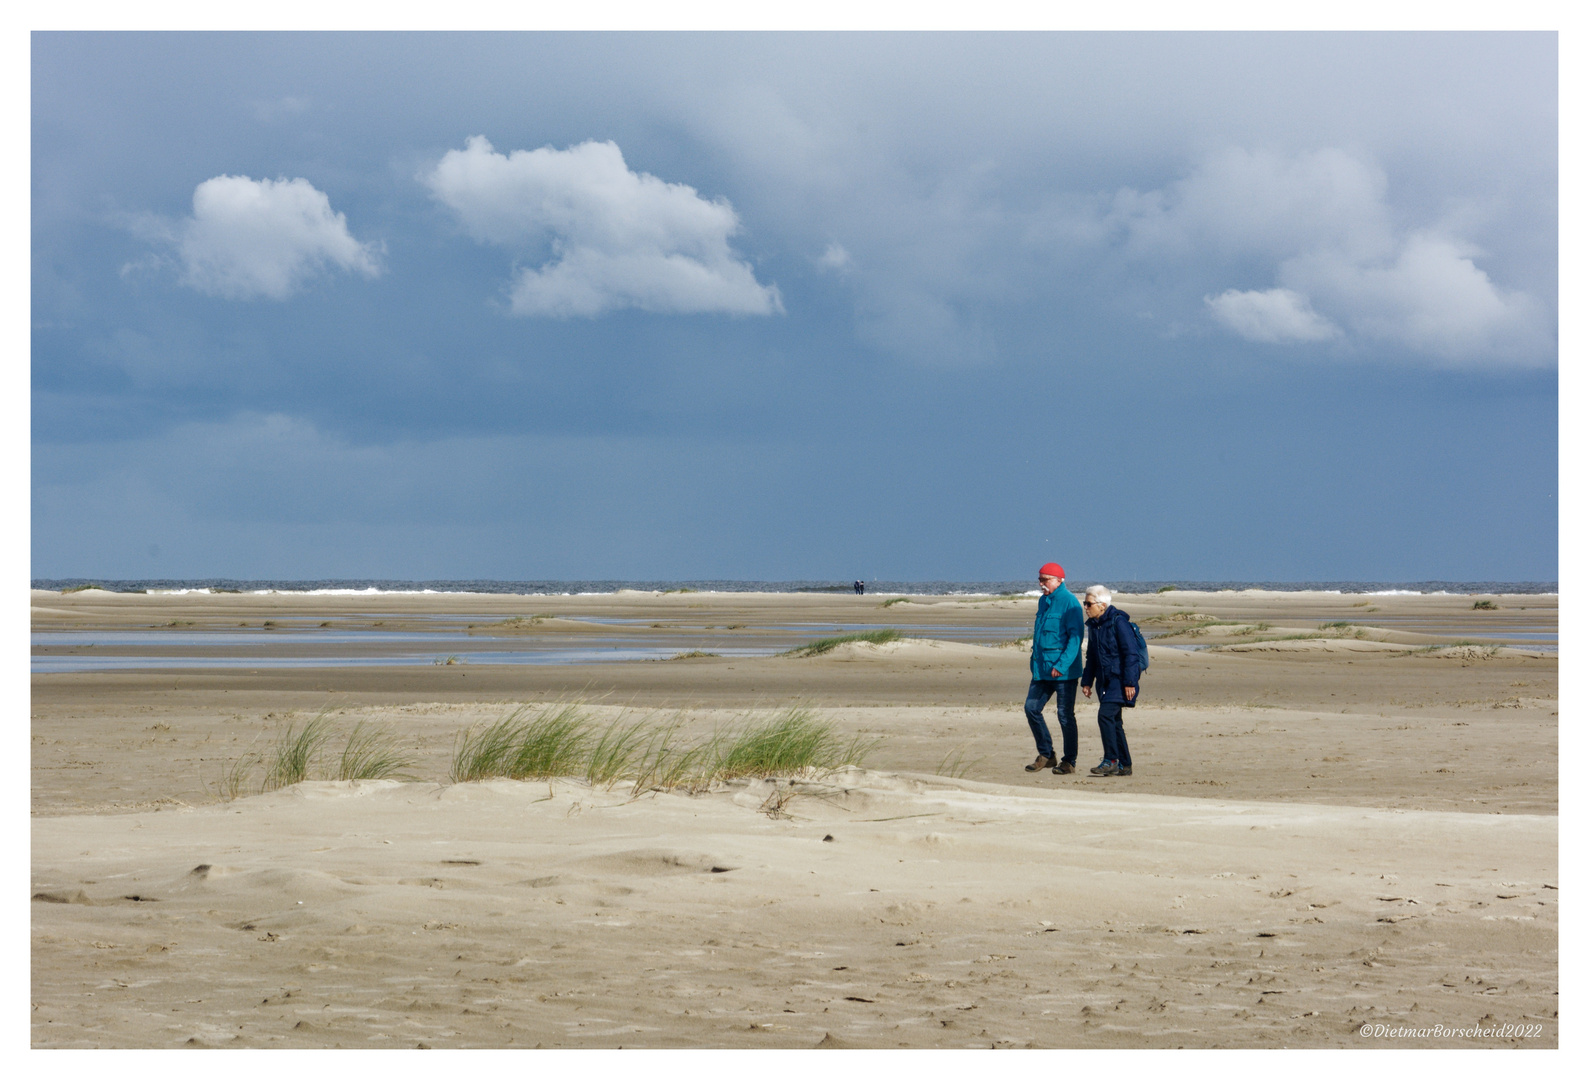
[1104, 768]
[1065, 767]
[1040, 764]
[1123, 770]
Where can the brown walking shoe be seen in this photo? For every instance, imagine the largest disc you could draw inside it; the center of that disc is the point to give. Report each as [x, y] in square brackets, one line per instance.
[1065, 767]
[1040, 764]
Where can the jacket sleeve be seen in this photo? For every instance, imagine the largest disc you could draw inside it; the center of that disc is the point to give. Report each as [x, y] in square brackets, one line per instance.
[1046, 643]
[1071, 631]
[1089, 670]
[1130, 656]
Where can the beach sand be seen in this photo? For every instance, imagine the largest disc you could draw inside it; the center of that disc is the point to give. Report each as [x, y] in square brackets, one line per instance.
[1326, 827]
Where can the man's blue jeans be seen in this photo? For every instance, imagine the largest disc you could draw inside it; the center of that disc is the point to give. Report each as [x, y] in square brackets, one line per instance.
[1037, 695]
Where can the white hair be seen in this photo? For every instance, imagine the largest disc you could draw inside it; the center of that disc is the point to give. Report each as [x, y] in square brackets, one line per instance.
[1101, 594]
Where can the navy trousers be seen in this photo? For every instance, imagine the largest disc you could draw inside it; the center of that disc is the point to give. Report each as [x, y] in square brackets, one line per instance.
[1037, 695]
[1112, 730]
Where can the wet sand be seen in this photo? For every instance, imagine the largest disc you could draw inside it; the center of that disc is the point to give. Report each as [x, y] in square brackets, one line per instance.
[1326, 827]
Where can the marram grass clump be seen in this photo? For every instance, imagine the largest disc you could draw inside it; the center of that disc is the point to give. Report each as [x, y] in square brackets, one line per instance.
[828, 644]
[552, 743]
[373, 754]
[563, 741]
[370, 753]
[616, 752]
[955, 764]
[791, 742]
[295, 752]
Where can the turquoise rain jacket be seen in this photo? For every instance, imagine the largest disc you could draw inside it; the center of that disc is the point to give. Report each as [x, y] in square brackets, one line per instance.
[1057, 635]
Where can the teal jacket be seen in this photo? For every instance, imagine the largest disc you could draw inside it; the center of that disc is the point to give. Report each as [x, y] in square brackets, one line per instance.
[1057, 635]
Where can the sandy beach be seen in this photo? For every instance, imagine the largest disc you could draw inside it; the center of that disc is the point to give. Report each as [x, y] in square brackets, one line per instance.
[1343, 812]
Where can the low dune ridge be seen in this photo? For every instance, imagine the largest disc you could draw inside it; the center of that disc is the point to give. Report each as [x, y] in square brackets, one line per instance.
[905, 649]
[881, 909]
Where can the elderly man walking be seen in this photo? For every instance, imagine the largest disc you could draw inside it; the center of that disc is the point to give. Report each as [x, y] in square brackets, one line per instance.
[1056, 665]
[1114, 663]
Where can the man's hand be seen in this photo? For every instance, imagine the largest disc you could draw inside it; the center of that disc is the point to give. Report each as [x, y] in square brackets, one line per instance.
[1086, 691]
[1131, 693]
[1054, 672]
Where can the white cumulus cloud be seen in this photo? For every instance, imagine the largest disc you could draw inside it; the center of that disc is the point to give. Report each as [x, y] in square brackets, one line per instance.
[261, 238]
[1270, 315]
[617, 238]
[834, 258]
[1245, 202]
[1323, 224]
[1431, 297]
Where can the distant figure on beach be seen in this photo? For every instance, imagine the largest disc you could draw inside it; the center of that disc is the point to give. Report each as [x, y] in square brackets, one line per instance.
[1114, 663]
[1056, 665]
[860, 587]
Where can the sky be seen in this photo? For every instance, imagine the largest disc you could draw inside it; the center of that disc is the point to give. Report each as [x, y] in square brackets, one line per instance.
[777, 307]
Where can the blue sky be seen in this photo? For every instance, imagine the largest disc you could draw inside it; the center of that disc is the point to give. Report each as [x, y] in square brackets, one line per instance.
[785, 306]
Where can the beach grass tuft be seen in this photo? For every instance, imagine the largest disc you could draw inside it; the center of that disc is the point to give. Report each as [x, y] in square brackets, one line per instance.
[790, 742]
[1205, 624]
[1485, 605]
[1346, 629]
[486, 754]
[1425, 650]
[552, 743]
[895, 600]
[666, 764]
[1165, 588]
[236, 775]
[954, 763]
[561, 740]
[693, 654]
[373, 754]
[616, 753]
[295, 752]
[828, 644]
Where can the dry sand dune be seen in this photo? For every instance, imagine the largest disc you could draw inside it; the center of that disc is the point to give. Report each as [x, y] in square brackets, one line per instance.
[870, 910]
[1316, 837]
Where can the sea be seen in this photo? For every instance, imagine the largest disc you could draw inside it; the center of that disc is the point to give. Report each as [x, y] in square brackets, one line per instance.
[377, 586]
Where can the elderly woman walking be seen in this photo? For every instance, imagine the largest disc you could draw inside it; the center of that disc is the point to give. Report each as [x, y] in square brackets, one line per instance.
[1114, 663]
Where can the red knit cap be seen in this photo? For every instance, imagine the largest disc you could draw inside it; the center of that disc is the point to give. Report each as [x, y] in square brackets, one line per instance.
[1051, 569]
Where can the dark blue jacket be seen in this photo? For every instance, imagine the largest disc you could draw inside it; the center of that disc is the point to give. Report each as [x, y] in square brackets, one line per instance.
[1113, 661]
[1057, 635]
